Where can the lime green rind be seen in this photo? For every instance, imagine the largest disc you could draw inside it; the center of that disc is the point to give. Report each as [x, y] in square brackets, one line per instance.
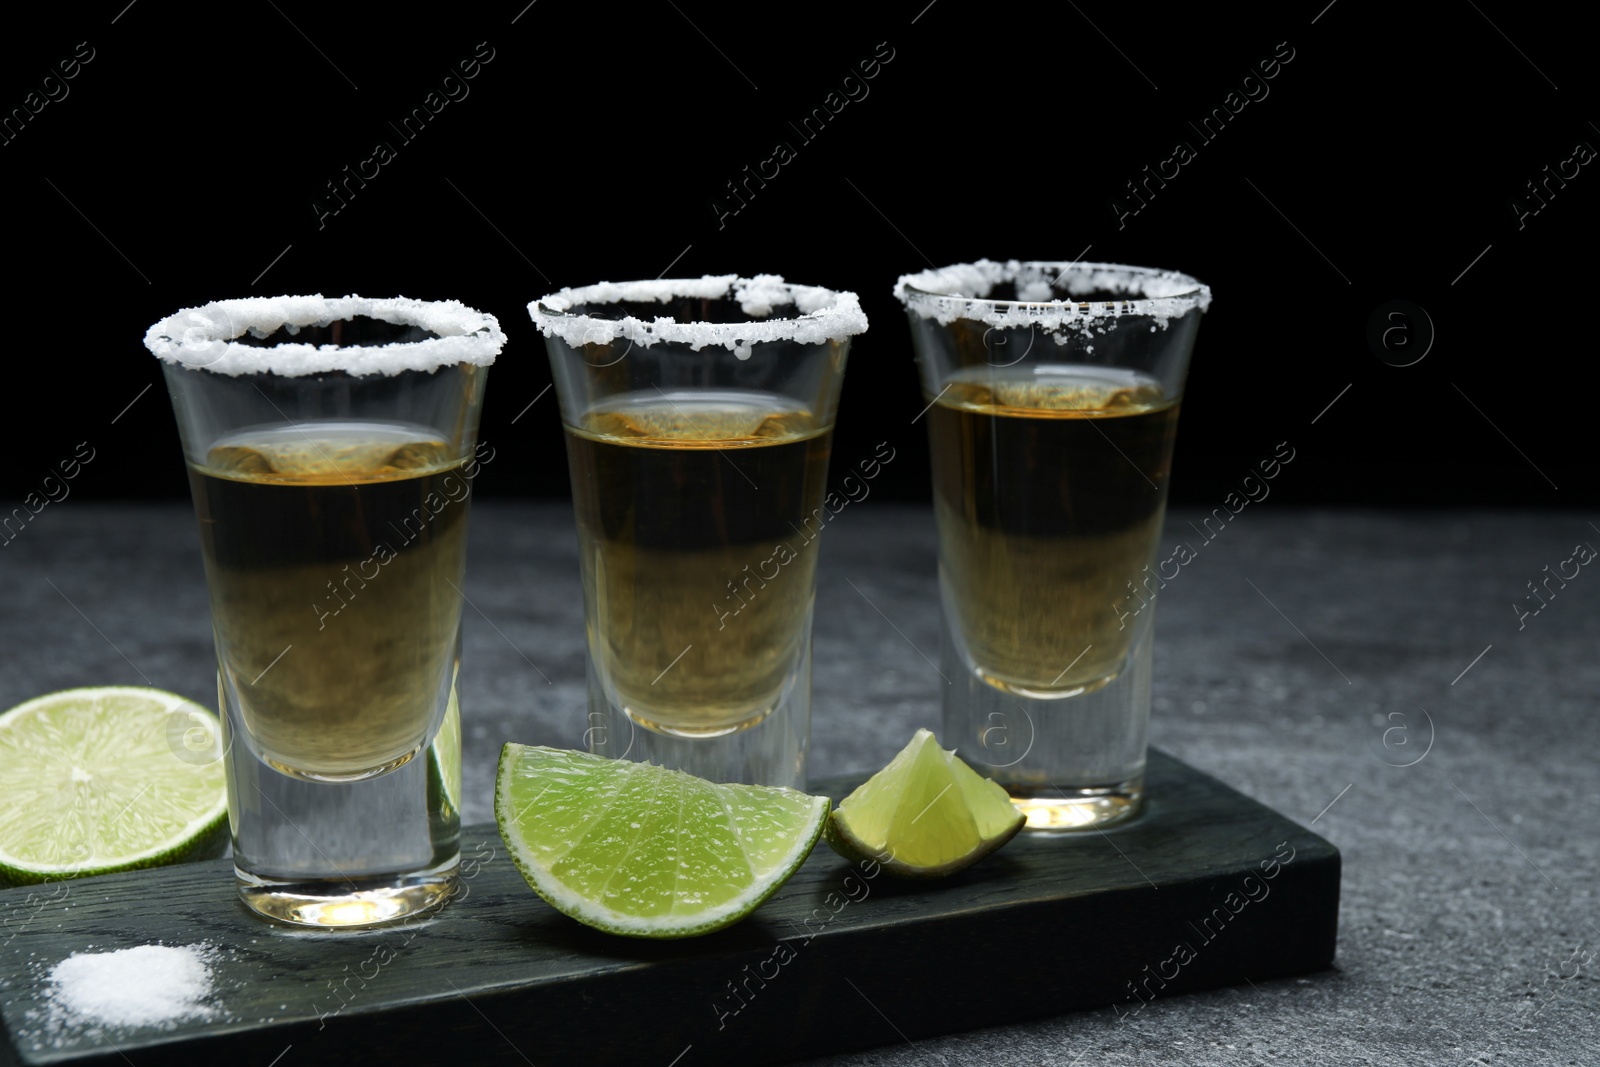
[846, 847]
[841, 843]
[211, 844]
[641, 851]
[90, 784]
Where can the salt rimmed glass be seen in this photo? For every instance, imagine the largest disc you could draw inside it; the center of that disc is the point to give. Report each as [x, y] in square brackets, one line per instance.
[699, 417]
[331, 446]
[1053, 392]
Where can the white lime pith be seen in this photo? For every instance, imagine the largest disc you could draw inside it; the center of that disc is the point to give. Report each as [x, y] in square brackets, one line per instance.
[107, 779]
[636, 849]
[926, 814]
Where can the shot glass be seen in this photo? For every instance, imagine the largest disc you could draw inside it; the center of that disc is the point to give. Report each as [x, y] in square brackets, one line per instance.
[699, 416]
[331, 446]
[1053, 392]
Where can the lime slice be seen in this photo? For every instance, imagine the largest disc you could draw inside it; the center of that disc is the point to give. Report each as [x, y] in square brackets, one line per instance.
[925, 815]
[636, 849]
[108, 779]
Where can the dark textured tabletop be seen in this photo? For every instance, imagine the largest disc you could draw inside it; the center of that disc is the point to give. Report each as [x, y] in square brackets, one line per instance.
[1368, 674]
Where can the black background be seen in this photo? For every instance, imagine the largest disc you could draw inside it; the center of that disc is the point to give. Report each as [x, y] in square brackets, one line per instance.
[186, 156]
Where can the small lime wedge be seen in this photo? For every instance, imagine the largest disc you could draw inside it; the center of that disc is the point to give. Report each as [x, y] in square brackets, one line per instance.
[636, 849]
[925, 815]
[108, 779]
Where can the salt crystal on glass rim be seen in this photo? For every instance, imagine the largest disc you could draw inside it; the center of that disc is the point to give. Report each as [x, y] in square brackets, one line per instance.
[1044, 293]
[148, 985]
[205, 337]
[823, 314]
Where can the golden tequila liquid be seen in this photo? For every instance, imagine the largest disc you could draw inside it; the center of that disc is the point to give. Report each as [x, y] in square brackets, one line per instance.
[334, 553]
[1050, 487]
[697, 516]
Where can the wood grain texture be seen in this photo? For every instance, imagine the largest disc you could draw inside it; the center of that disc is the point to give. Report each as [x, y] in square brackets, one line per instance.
[1195, 894]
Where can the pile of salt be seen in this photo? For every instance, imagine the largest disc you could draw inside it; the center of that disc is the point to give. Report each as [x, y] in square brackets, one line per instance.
[149, 985]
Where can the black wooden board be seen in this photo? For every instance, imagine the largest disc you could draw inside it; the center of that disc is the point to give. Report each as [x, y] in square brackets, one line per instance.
[1207, 888]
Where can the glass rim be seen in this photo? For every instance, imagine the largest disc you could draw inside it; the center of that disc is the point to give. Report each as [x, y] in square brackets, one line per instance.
[825, 315]
[206, 337]
[1157, 293]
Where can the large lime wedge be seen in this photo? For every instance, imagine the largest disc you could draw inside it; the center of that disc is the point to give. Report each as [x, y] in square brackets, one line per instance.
[635, 849]
[108, 779]
[925, 815]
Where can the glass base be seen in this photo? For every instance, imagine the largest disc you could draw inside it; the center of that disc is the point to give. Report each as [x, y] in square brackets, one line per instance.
[349, 905]
[692, 733]
[355, 776]
[1062, 810]
[1068, 764]
[769, 749]
[1037, 693]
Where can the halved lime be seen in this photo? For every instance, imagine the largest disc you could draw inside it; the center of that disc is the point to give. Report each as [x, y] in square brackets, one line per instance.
[108, 779]
[636, 849]
[925, 815]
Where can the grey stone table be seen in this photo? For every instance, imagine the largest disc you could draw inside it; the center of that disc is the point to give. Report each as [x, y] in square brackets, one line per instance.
[1366, 673]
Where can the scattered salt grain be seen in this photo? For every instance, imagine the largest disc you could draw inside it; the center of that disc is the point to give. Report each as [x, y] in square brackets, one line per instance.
[149, 985]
